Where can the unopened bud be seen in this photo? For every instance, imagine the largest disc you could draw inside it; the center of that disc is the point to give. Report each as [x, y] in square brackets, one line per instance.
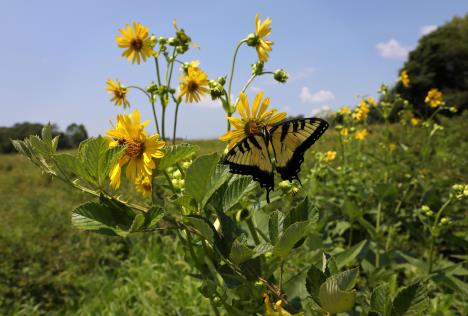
[252, 40]
[280, 75]
[257, 68]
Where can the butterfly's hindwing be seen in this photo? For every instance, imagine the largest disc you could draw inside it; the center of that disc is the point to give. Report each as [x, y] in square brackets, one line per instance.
[290, 140]
[250, 157]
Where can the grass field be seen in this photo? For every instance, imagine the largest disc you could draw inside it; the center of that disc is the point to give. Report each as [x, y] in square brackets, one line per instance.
[48, 267]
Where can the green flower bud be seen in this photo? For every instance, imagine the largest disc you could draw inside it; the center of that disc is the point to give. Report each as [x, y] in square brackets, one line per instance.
[453, 109]
[216, 89]
[173, 41]
[182, 49]
[425, 208]
[183, 38]
[444, 221]
[280, 75]
[252, 40]
[153, 40]
[152, 88]
[162, 40]
[429, 213]
[257, 68]
[186, 164]
[221, 80]
[177, 174]
[285, 185]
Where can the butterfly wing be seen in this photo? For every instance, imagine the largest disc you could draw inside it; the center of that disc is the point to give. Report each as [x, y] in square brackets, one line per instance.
[250, 157]
[290, 140]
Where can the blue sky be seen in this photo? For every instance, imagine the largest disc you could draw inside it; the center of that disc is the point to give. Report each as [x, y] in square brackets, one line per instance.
[57, 55]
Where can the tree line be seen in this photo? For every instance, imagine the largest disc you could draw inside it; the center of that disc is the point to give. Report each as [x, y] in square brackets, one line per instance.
[70, 138]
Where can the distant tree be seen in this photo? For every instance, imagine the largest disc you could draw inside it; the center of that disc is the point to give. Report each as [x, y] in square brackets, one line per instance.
[76, 134]
[439, 61]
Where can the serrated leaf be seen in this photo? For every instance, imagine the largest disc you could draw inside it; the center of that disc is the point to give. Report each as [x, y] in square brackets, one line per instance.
[275, 226]
[174, 154]
[290, 237]
[381, 300]
[70, 165]
[347, 256]
[333, 299]
[262, 249]
[107, 217]
[410, 301]
[315, 278]
[137, 223]
[331, 267]
[302, 212]
[203, 226]
[240, 252]
[236, 189]
[153, 216]
[347, 279]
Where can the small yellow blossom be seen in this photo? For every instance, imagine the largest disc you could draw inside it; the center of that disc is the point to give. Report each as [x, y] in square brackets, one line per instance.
[434, 98]
[344, 132]
[345, 110]
[360, 114]
[119, 93]
[140, 148]
[404, 78]
[137, 42]
[392, 146]
[415, 121]
[262, 30]
[371, 101]
[361, 134]
[194, 84]
[251, 122]
[143, 185]
[330, 155]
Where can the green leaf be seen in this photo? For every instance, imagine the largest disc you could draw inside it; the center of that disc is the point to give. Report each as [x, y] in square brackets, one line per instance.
[240, 252]
[204, 177]
[381, 300]
[137, 223]
[203, 226]
[411, 300]
[333, 299]
[347, 256]
[347, 279]
[331, 267]
[302, 212]
[153, 216]
[174, 154]
[351, 210]
[315, 278]
[262, 249]
[237, 188]
[275, 226]
[106, 217]
[290, 237]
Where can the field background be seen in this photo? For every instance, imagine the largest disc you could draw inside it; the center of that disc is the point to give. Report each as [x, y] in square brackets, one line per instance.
[47, 266]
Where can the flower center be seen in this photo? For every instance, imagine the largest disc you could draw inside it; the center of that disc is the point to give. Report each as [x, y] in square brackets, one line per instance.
[251, 128]
[136, 44]
[119, 94]
[134, 149]
[192, 86]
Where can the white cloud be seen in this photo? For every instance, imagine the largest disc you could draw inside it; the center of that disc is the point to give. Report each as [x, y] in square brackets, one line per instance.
[392, 49]
[322, 112]
[426, 29]
[318, 97]
[207, 103]
[303, 73]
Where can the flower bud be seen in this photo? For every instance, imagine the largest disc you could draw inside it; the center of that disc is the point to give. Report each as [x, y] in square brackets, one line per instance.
[186, 164]
[177, 174]
[285, 185]
[444, 221]
[152, 88]
[162, 40]
[425, 208]
[172, 41]
[280, 75]
[252, 40]
[216, 88]
[453, 109]
[257, 68]
[182, 49]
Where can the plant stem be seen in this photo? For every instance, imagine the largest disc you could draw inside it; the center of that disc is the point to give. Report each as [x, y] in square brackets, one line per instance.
[141, 89]
[163, 119]
[175, 123]
[253, 230]
[377, 229]
[169, 181]
[433, 235]
[155, 117]
[156, 63]
[232, 70]
[248, 82]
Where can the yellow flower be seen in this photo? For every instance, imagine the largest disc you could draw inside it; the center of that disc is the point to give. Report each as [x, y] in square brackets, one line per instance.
[371, 101]
[330, 155]
[140, 148]
[143, 185]
[404, 78]
[344, 132]
[137, 42]
[345, 110]
[262, 30]
[415, 121]
[119, 92]
[251, 122]
[434, 98]
[392, 146]
[194, 84]
[360, 114]
[361, 134]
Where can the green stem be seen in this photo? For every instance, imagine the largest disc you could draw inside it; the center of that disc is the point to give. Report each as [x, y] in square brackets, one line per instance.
[377, 229]
[156, 63]
[154, 114]
[248, 82]
[232, 70]
[172, 68]
[253, 230]
[433, 235]
[175, 123]
[173, 189]
[163, 119]
[141, 89]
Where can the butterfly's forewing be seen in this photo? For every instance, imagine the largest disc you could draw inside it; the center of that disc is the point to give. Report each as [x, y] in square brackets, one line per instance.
[250, 157]
[290, 140]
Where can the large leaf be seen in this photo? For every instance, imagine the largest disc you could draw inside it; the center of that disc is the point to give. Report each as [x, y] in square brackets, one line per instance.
[347, 256]
[237, 188]
[107, 217]
[204, 177]
[240, 252]
[290, 237]
[302, 212]
[315, 278]
[347, 279]
[381, 300]
[174, 154]
[333, 299]
[275, 226]
[203, 226]
[411, 301]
